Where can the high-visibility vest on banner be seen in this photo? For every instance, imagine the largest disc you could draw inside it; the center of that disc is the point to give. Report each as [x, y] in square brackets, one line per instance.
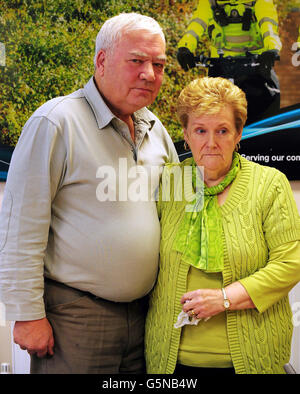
[233, 27]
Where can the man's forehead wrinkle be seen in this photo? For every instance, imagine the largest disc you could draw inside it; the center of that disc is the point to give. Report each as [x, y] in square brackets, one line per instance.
[143, 54]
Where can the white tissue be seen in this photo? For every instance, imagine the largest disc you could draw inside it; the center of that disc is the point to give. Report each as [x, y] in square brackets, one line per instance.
[184, 318]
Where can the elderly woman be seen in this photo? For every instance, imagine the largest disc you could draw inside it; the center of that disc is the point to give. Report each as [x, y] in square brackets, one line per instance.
[227, 268]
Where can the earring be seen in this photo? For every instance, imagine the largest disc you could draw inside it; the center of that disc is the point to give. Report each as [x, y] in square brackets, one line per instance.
[185, 145]
[237, 147]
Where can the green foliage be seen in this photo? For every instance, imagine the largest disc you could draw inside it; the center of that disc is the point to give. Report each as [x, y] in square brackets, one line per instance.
[49, 52]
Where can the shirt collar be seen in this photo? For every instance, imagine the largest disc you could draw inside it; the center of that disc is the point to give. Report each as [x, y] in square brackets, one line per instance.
[104, 115]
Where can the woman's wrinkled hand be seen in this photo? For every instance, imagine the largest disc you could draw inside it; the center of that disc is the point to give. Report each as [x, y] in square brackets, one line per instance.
[203, 303]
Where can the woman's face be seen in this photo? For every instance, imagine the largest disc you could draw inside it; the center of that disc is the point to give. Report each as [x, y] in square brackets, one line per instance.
[212, 140]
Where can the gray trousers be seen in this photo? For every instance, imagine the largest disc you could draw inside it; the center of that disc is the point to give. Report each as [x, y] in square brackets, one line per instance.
[92, 335]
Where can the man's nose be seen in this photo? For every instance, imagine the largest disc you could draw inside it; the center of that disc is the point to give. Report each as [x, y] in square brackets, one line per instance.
[147, 72]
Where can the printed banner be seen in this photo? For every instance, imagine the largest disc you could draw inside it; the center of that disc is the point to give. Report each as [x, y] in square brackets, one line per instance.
[45, 53]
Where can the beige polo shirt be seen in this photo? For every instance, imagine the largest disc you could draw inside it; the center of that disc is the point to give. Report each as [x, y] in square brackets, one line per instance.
[76, 208]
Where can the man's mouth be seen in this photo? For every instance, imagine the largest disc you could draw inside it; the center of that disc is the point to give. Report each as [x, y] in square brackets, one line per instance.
[143, 89]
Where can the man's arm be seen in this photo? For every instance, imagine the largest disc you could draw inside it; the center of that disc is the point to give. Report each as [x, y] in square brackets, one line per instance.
[34, 176]
[267, 20]
[194, 32]
[197, 26]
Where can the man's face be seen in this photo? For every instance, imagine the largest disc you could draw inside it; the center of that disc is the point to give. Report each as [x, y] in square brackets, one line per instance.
[130, 76]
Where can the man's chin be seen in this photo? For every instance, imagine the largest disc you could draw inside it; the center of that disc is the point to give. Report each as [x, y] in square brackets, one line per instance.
[142, 101]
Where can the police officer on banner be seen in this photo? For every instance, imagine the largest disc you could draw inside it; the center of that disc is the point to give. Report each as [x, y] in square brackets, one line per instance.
[236, 28]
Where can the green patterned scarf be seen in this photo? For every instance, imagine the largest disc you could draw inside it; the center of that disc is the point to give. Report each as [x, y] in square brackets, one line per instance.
[199, 237]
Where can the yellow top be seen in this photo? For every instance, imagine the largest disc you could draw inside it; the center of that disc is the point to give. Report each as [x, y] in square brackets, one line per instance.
[206, 344]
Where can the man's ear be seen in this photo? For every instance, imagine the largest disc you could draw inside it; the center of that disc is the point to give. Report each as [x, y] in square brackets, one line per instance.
[100, 61]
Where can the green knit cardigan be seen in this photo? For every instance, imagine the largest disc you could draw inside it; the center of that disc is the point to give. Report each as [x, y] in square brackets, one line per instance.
[258, 217]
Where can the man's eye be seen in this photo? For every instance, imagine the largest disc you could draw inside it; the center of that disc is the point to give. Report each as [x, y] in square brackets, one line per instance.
[160, 66]
[138, 61]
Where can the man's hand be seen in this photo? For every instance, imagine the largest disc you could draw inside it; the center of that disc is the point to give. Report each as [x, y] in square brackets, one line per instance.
[185, 58]
[267, 60]
[35, 336]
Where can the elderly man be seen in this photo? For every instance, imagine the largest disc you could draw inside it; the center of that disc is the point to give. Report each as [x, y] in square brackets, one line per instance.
[76, 267]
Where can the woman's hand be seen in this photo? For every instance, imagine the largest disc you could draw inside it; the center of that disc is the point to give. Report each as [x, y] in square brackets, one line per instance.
[203, 303]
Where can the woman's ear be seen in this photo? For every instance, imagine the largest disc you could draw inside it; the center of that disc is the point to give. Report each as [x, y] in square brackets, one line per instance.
[239, 136]
[185, 136]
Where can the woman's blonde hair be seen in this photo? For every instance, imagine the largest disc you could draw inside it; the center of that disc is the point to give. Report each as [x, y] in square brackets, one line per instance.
[210, 95]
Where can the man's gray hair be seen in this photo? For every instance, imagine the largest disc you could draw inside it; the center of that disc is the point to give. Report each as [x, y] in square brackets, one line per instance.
[112, 30]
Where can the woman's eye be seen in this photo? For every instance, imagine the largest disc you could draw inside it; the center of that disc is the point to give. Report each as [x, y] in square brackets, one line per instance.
[200, 131]
[222, 131]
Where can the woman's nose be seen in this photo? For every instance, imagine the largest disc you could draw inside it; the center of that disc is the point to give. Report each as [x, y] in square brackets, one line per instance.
[211, 140]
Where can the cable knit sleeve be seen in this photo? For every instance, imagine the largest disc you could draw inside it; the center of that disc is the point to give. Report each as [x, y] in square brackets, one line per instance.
[281, 221]
[281, 226]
